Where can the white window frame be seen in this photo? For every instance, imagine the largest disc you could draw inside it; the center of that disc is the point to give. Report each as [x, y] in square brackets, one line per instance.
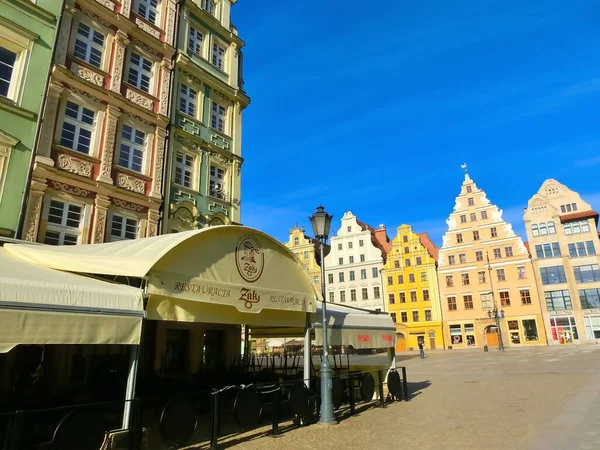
[90, 42]
[209, 6]
[210, 191]
[185, 168]
[214, 58]
[149, 9]
[188, 100]
[63, 229]
[145, 148]
[126, 217]
[79, 125]
[141, 70]
[225, 117]
[193, 27]
[21, 46]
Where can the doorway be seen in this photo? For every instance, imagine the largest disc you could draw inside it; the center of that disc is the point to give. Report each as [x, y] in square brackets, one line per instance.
[400, 342]
[491, 336]
[432, 340]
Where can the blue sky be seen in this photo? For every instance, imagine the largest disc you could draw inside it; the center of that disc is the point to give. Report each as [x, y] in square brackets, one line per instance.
[374, 111]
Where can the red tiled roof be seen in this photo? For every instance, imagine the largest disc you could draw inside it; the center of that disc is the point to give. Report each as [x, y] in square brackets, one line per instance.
[379, 238]
[579, 215]
[526, 244]
[429, 245]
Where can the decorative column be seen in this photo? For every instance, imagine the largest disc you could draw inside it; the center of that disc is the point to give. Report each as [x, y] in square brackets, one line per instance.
[34, 209]
[121, 43]
[108, 146]
[48, 123]
[165, 87]
[64, 33]
[101, 204]
[157, 171]
[170, 25]
[152, 222]
[126, 8]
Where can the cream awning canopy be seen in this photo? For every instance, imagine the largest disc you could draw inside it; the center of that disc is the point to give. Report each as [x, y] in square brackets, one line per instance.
[216, 274]
[39, 305]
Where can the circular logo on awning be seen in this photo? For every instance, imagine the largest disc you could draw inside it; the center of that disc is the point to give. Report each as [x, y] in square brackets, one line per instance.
[249, 258]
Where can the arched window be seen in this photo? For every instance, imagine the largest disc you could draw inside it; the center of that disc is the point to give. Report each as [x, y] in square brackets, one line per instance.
[551, 228]
[296, 241]
[534, 230]
[543, 229]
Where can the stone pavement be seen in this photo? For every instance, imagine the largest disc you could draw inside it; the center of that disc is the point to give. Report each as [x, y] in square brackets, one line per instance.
[534, 398]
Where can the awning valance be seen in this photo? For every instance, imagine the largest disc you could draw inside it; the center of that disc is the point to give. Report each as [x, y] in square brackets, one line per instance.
[45, 306]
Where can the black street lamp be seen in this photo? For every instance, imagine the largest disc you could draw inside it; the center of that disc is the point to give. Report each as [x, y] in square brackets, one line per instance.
[321, 221]
[494, 313]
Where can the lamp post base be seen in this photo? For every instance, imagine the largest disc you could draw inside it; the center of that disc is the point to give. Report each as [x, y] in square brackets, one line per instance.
[327, 416]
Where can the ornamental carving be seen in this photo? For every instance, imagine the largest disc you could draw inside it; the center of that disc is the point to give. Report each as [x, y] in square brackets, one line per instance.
[99, 225]
[109, 143]
[96, 17]
[187, 143]
[145, 47]
[237, 164]
[75, 165]
[90, 76]
[107, 3]
[128, 205]
[164, 92]
[140, 118]
[126, 7]
[185, 216]
[33, 217]
[236, 201]
[64, 187]
[139, 99]
[222, 96]
[131, 183]
[118, 67]
[158, 163]
[170, 31]
[147, 28]
[85, 93]
[221, 159]
[191, 79]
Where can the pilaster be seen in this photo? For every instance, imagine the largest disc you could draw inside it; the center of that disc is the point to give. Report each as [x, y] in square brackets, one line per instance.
[35, 201]
[165, 87]
[121, 43]
[108, 146]
[126, 8]
[101, 204]
[49, 121]
[170, 25]
[152, 222]
[64, 33]
[159, 155]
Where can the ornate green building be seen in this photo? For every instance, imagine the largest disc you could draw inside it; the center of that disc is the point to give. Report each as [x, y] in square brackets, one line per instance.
[27, 38]
[203, 173]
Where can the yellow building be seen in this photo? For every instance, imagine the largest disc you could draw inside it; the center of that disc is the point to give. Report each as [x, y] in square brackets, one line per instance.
[304, 248]
[412, 292]
[484, 265]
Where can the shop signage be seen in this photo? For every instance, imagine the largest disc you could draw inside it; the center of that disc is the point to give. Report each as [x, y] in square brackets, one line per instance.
[249, 258]
[591, 311]
[560, 313]
[416, 332]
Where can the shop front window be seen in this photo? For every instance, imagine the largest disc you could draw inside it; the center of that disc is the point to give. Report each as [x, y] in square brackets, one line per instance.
[530, 330]
[592, 327]
[564, 330]
[456, 334]
[513, 329]
[470, 333]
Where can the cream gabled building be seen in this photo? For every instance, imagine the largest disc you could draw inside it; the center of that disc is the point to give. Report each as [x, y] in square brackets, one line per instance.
[563, 239]
[469, 286]
[353, 265]
[304, 249]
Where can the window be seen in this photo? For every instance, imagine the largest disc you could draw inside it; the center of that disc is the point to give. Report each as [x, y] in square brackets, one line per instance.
[218, 56]
[475, 235]
[581, 226]
[404, 238]
[365, 293]
[305, 254]
[390, 280]
[415, 316]
[413, 296]
[425, 295]
[188, 100]
[363, 274]
[340, 247]
[587, 273]
[590, 298]
[218, 117]
[582, 249]
[508, 251]
[463, 219]
[351, 259]
[208, 6]
[316, 279]
[402, 297]
[469, 189]
[497, 253]
[396, 264]
[352, 275]
[521, 272]
[342, 296]
[501, 275]
[89, 45]
[530, 330]
[393, 316]
[543, 229]
[423, 276]
[558, 300]
[349, 229]
[470, 201]
[148, 9]
[464, 278]
[123, 228]
[196, 42]
[486, 300]
[525, 297]
[375, 272]
[8, 63]
[376, 292]
[362, 258]
[391, 298]
[331, 296]
[64, 221]
[451, 260]
[217, 182]
[77, 128]
[406, 250]
[553, 275]
[473, 217]
[451, 303]
[479, 255]
[140, 72]
[493, 232]
[184, 169]
[411, 277]
[535, 231]
[352, 295]
[400, 279]
[462, 258]
[361, 243]
[481, 276]
[341, 277]
[551, 228]
[484, 215]
[505, 298]
[468, 301]
[330, 278]
[404, 316]
[132, 149]
[407, 262]
[459, 238]
[547, 250]
[350, 244]
[449, 281]
[419, 260]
